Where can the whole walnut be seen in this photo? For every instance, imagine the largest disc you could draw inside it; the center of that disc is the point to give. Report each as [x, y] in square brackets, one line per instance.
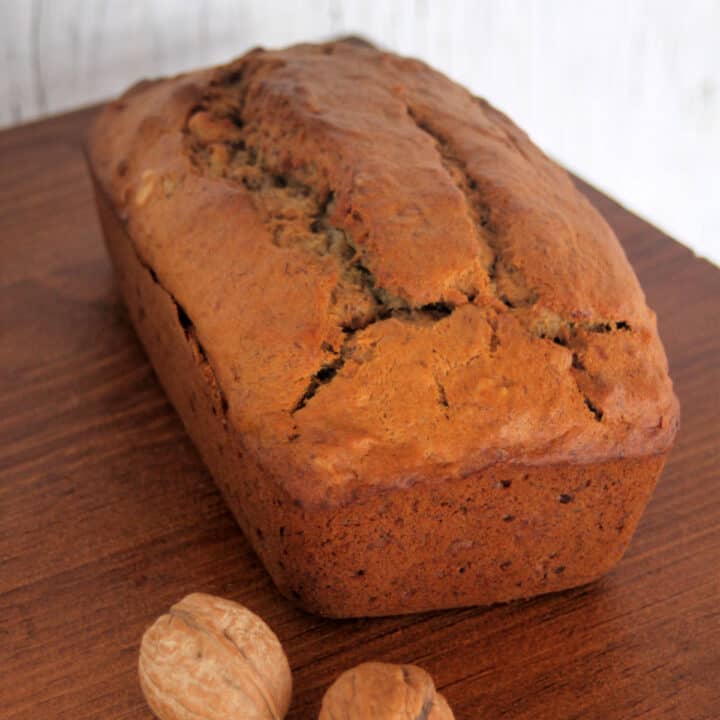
[212, 659]
[384, 692]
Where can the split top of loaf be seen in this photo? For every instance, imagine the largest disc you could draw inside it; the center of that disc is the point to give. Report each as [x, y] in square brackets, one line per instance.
[385, 279]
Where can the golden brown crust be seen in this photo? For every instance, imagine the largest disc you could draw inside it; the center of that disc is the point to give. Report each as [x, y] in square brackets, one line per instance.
[387, 277]
[386, 288]
[508, 531]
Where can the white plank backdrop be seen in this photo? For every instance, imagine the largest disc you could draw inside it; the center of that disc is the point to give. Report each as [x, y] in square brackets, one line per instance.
[624, 92]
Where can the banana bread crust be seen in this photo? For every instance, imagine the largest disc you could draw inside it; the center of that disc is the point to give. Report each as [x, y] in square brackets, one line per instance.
[414, 357]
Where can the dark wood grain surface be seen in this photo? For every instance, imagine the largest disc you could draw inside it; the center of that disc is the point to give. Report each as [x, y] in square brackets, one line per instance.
[107, 515]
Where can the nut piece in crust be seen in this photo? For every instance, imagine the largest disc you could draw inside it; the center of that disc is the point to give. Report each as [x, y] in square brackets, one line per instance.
[210, 658]
[384, 692]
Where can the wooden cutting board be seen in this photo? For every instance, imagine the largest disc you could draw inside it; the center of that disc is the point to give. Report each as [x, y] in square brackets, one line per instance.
[107, 515]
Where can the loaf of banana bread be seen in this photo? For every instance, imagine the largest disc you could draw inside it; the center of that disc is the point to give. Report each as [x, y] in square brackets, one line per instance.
[414, 357]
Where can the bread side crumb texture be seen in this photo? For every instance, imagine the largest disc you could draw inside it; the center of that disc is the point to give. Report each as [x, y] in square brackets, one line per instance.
[384, 279]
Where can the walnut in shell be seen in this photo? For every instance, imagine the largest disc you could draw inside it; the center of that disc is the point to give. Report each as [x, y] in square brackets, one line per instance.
[210, 658]
[384, 692]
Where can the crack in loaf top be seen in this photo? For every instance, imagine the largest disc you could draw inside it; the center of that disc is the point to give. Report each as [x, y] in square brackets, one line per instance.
[388, 279]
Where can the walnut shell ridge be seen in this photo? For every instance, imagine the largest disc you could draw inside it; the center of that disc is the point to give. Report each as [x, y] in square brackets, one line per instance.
[210, 658]
[383, 691]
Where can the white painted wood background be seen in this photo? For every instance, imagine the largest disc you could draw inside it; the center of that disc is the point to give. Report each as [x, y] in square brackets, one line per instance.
[624, 92]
